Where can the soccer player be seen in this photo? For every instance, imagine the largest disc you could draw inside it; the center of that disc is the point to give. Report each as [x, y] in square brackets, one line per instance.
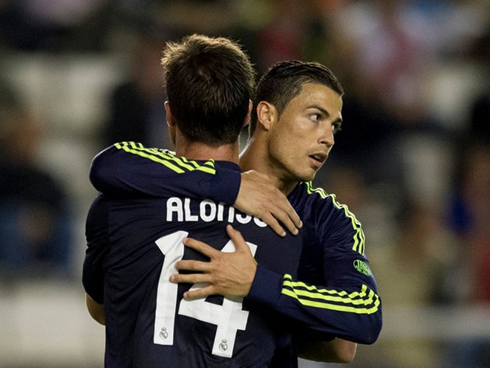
[296, 113]
[135, 241]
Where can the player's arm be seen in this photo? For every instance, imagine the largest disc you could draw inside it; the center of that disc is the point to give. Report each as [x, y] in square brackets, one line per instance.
[95, 309]
[93, 264]
[129, 168]
[345, 302]
[350, 310]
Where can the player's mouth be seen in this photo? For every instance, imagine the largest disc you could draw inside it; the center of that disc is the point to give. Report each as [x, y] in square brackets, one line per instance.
[318, 159]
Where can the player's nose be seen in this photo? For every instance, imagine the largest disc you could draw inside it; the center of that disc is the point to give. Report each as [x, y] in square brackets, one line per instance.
[327, 136]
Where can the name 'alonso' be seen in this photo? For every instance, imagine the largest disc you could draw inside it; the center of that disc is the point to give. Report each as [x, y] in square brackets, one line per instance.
[179, 209]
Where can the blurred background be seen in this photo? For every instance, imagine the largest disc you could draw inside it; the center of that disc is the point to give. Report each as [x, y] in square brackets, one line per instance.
[412, 161]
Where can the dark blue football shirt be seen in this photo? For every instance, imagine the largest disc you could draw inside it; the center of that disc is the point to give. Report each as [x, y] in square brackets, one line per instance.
[126, 225]
[133, 245]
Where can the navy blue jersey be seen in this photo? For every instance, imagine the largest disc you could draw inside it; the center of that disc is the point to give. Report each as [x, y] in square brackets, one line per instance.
[133, 245]
[337, 294]
[334, 256]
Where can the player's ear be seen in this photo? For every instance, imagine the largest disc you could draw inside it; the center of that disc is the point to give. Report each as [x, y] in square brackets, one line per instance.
[168, 115]
[249, 114]
[266, 115]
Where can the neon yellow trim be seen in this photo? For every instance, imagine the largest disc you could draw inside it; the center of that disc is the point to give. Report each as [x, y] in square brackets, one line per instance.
[153, 158]
[340, 308]
[179, 164]
[359, 237]
[355, 299]
[312, 292]
[288, 281]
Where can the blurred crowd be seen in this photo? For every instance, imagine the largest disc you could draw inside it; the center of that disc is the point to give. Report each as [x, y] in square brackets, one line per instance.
[412, 160]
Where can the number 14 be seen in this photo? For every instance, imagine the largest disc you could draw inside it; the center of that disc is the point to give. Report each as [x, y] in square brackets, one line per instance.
[228, 317]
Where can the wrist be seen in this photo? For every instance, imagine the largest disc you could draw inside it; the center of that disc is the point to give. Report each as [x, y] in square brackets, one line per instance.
[266, 286]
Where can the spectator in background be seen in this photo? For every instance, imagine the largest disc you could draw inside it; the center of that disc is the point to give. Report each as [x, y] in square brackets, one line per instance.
[476, 183]
[137, 105]
[35, 234]
[480, 109]
[470, 219]
[278, 30]
[476, 194]
[61, 25]
[470, 212]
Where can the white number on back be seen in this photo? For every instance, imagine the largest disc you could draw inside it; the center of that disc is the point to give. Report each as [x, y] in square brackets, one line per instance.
[228, 317]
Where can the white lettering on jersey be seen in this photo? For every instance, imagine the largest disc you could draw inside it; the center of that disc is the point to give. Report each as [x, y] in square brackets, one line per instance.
[174, 207]
[212, 210]
[231, 213]
[243, 219]
[180, 210]
[187, 208]
[221, 209]
[259, 222]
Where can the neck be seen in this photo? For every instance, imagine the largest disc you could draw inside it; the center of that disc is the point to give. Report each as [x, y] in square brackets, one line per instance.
[255, 156]
[201, 151]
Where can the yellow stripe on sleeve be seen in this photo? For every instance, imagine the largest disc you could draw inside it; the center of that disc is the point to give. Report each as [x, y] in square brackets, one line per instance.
[359, 237]
[167, 158]
[335, 307]
[364, 302]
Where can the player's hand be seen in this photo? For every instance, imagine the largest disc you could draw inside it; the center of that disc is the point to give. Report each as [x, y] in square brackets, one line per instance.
[260, 198]
[229, 274]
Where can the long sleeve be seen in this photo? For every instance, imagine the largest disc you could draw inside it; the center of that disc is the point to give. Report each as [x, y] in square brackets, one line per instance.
[337, 294]
[352, 313]
[129, 168]
[96, 231]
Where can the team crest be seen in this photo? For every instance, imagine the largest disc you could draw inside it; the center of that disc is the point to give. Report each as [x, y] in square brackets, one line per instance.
[362, 267]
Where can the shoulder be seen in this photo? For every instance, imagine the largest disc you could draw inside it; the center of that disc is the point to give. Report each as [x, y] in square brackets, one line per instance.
[319, 199]
[162, 156]
[329, 217]
[138, 149]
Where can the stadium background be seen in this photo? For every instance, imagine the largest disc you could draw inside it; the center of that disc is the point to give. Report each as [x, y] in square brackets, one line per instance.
[412, 161]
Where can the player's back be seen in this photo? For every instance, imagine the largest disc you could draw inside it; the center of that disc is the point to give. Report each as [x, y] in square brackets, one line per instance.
[148, 322]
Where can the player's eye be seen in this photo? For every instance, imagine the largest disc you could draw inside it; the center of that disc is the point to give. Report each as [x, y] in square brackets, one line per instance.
[315, 117]
[336, 127]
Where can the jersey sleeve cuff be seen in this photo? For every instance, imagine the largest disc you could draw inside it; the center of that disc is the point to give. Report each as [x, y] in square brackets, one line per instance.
[266, 287]
[225, 186]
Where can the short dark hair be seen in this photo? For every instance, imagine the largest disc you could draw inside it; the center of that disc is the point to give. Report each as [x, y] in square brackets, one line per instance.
[209, 83]
[283, 81]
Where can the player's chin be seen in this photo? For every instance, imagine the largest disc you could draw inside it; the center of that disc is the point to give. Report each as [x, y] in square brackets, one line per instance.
[308, 175]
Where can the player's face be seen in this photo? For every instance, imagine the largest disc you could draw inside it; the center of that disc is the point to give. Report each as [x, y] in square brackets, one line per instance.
[301, 140]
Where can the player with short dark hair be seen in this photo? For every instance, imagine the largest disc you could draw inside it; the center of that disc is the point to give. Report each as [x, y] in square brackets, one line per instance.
[290, 143]
[223, 71]
[284, 82]
[134, 242]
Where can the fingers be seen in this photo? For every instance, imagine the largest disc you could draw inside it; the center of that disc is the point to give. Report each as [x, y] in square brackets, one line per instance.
[197, 279]
[294, 218]
[237, 238]
[192, 265]
[199, 293]
[259, 197]
[271, 221]
[285, 213]
[287, 217]
[194, 278]
[201, 247]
